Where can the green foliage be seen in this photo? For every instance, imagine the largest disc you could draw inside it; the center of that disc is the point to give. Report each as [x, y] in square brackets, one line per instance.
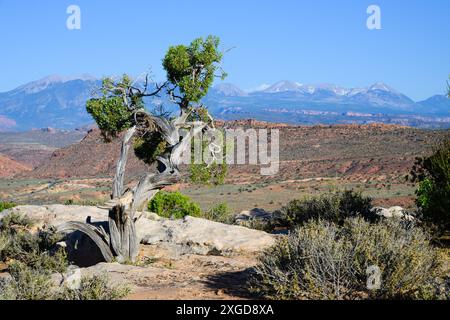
[333, 207]
[433, 193]
[6, 205]
[192, 68]
[219, 213]
[213, 174]
[97, 287]
[173, 205]
[110, 114]
[110, 111]
[322, 260]
[448, 88]
[149, 147]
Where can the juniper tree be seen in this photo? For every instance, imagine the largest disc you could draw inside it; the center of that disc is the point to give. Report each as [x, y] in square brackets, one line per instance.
[121, 110]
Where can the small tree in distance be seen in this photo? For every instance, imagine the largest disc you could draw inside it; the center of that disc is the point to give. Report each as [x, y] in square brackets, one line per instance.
[190, 73]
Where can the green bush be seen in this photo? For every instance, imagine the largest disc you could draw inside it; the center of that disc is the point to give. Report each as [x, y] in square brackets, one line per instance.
[322, 260]
[6, 205]
[433, 193]
[333, 207]
[219, 213]
[173, 205]
[97, 287]
[213, 174]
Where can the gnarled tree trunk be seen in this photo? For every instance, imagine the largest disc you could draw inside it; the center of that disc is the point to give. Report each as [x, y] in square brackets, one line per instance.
[121, 241]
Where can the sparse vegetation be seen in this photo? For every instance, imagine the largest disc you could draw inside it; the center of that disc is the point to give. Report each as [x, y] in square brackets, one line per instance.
[433, 194]
[33, 258]
[14, 220]
[37, 251]
[322, 260]
[173, 205]
[334, 207]
[6, 205]
[26, 284]
[71, 202]
[219, 213]
[97, 287]
[213, 174]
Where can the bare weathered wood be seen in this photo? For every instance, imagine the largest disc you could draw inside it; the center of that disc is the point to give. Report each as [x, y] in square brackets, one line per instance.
[93, 233]
[122, 234]
[121, 163]
[121, 241]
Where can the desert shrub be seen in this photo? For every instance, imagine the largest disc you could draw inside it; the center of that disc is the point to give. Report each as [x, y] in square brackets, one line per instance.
[433, 193]
[219, 213]
[19, 245]
[97, 287]
[26, 284]
[322, 260]
[15, 219]
[6, 205]
[90, 203]
[173, 205]
[47, 262]
[4, 243]
[214, 173]
[258, 224]
[36, 250]
[333, 207]
[24, 247]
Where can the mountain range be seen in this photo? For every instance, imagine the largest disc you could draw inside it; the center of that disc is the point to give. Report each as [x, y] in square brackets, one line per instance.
[59, 102]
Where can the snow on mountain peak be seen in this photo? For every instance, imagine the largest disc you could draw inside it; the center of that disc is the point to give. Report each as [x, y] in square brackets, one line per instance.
[283, 86]
[229, 89]
[259, 88]
[381, 86]
[41, 84]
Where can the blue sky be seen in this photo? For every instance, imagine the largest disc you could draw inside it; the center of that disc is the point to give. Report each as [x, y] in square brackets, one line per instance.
[306, 41]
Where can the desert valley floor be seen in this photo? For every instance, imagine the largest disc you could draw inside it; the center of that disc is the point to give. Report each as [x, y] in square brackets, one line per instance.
[49, 166]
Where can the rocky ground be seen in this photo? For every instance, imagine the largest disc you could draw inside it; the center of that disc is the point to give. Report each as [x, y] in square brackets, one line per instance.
[190, 258]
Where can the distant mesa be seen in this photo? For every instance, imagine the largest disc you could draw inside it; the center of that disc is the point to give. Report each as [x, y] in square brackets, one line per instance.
[9, 167]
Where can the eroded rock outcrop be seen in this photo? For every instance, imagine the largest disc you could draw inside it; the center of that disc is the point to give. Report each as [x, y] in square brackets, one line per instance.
[183, 236]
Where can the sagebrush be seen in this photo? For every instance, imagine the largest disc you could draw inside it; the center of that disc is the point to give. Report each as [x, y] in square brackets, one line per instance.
[323, 260]
[334, 207]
